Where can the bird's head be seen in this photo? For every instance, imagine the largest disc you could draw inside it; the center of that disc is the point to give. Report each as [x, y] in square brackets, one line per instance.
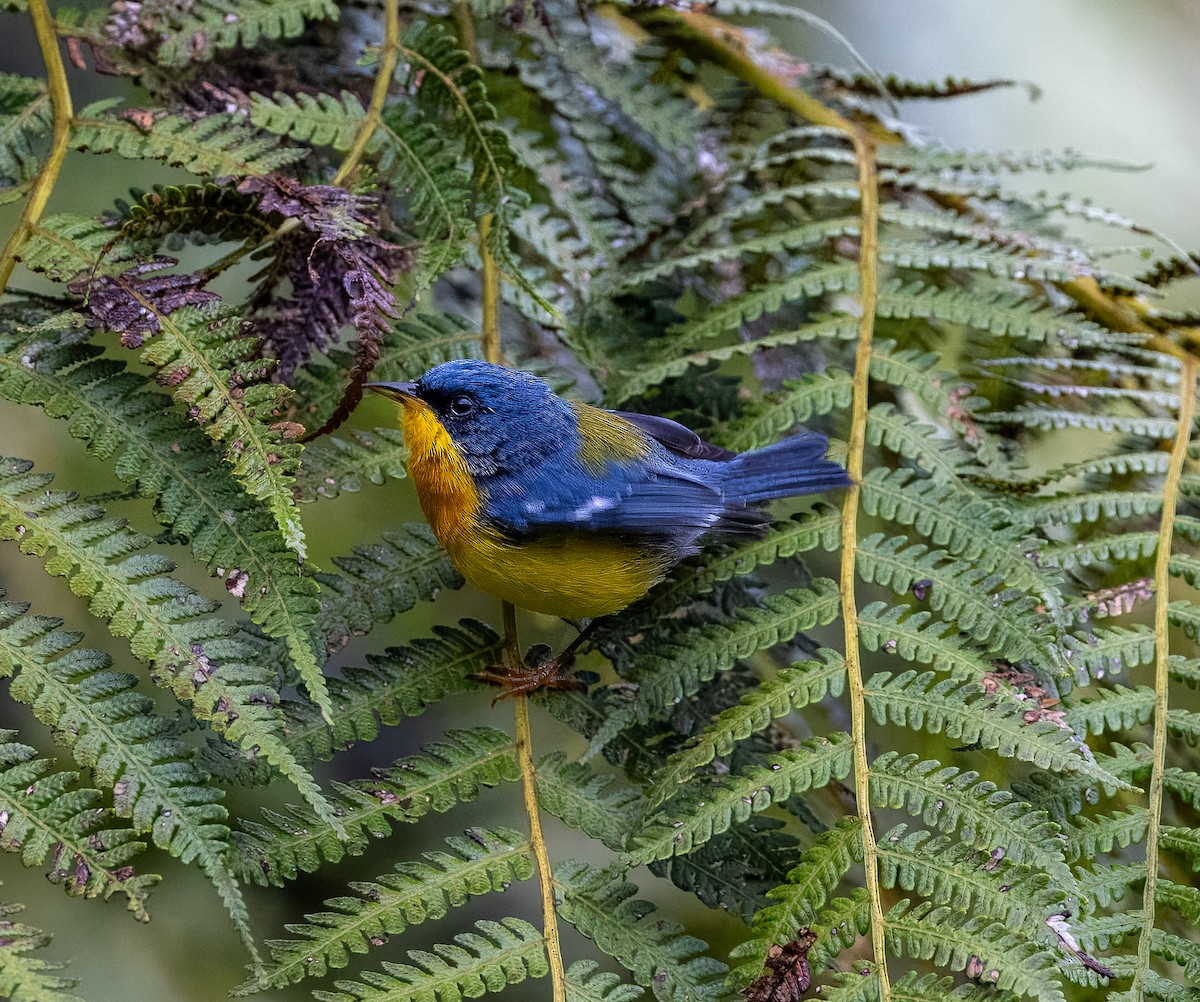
[499, 419]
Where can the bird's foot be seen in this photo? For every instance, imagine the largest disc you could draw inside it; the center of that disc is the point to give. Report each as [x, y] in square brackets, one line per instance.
[539, 671]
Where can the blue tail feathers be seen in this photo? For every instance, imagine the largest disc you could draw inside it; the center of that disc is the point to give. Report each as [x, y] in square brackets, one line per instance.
[793, 466]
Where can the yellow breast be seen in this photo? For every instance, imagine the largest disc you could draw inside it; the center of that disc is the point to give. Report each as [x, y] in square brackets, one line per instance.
[574, 575]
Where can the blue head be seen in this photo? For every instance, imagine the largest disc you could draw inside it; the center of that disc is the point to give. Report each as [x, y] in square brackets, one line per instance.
[501, 420]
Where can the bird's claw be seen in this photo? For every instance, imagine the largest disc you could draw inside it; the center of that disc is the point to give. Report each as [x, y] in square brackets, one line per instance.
[537, 672]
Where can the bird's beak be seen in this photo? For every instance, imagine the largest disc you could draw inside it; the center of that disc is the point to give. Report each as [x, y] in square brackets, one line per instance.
[405, 393]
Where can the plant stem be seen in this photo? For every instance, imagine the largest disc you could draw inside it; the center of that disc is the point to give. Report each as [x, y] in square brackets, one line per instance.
[1162, 652]
[864, 155]
[729, 47]
[60, 100]
[389, 53]
[490, 330]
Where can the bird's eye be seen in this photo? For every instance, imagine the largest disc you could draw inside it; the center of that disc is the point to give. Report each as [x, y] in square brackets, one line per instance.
[462, 405]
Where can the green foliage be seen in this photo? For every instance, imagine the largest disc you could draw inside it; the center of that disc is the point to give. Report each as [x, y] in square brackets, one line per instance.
[31, 977]
[674, 215]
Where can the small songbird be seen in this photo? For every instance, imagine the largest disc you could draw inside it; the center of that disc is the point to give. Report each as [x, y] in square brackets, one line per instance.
[567, 509]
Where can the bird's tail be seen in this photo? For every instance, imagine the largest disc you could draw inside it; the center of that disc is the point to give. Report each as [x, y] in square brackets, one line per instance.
[794, 466]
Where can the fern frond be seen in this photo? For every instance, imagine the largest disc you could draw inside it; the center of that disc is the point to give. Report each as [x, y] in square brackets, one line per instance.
[958, 802]
[583, 799]
[109, 408]
[1131, 546]
[213, 146]
[951, 938]
[1089, 507]
[47, 814]
[1113, 709]
[196, 32]
[320, 119]
[768, 419]
[381, 580]
[791, 240]
[402, 682]
[1100, 652]
[587, 983]
[23, 976]
[804, 531]
[970, 713]
[790, 689]
[497, 955]
[960, 876]
[969, 527]
[334, 465]
[917, 636]
[167, 624]
[797, 902]
[418, 891]
[600, 904]
[922, 443]
[974, 599]
[206, 360]
[451, 771]
[1001, 313]
[1056, 419]
[25, 118]
[679, 671]
[940, 158]
[638, 377]
[690, 821]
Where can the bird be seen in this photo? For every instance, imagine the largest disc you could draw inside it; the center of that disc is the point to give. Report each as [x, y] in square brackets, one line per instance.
[564, 508]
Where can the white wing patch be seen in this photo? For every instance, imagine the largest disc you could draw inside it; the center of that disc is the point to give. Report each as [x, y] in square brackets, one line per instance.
[593, 505]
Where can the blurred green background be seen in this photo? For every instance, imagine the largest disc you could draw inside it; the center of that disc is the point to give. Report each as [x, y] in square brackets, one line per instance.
[1119, 79]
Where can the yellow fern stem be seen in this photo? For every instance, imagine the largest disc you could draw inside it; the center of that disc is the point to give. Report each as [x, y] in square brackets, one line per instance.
[388, 55]
[60, 101]
[864, 154]
[1162, 651]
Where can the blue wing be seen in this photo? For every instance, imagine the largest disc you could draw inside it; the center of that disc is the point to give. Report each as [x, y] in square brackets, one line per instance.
[643, 498]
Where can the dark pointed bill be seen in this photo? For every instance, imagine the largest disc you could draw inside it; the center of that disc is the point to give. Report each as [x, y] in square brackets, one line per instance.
[397, 391]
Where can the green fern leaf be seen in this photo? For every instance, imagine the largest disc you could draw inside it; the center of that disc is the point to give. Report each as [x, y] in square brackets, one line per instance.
[195, 33]
[320, 119]
[381, 580]
[637, 378]
[951, 938]
[587, 983]
[581, 798]
[25, 119]
[46, 814]
[419, 891]
[1112, 709]
[969, 527]
[451, 771]
[23, 976]
[916, 636]
[690, 821]
[1090, 507]
[804, 531]
[958, 802]
[1100, 652]
[1131, 546]
[1002, 313]
[600, 904]
[960, 876]
[678, 671]
[166, 622]
[975, 715]
[798, 238]
[974, 599]
[922, 443]
[1055, 419]
[796, 903]
[62, 246]
[769, 419]
[791, 688]
[213, 146]
[500, 954]
[332, 465]
[400, 683]
[110, 409]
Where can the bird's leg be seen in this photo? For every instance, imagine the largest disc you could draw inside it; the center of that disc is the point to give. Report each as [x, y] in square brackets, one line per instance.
[537, 671]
